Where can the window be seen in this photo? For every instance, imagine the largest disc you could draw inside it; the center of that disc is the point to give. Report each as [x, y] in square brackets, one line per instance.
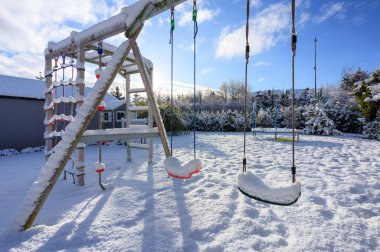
[120, 115]
[107, 116]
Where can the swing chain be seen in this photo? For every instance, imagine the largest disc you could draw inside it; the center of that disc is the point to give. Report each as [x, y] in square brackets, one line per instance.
[246, 87]
[247, 49]
[172, 22]
[294, 47]
[194, 17]
[172, 27]
[294, 34]
[194, 69]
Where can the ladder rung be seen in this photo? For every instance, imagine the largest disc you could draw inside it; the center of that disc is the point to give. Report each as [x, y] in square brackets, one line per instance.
[142, 120]
[136, 90]
[139, 108]
[138, 126]
[139, 146]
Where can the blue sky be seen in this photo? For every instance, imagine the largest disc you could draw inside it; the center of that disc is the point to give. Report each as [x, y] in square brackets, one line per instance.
[347, 33]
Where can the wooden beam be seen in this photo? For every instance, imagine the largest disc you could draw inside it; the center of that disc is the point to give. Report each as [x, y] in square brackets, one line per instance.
[116, 134]
[149, 92]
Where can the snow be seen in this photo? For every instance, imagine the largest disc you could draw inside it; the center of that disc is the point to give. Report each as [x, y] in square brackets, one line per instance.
[21, 87]
[143, 209]
[99, 167]
[175, 168]
[9, 152]
[114, 104]
[255, 187]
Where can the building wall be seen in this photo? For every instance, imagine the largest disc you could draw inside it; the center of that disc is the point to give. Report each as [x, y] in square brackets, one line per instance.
[22, 123]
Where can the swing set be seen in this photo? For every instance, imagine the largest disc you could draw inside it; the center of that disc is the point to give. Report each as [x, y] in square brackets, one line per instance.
[130, 21]
[248, 183]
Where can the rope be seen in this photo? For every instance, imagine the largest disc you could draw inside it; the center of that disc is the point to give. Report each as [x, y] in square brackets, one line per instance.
[63, 86]
[72, 77]
[195, 35]
[56, 96]
[294, 47]
[172, 27]
[246, 86]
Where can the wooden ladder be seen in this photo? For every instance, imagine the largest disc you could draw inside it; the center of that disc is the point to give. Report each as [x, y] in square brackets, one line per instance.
[136, 122]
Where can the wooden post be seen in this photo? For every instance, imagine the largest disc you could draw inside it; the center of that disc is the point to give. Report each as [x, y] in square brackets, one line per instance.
[58, 160]
[128, 113]
[80, 166]
[149, 91]
[150, 121]
[48, 101]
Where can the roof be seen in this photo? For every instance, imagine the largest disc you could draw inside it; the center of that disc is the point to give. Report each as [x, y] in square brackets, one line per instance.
[21, 87]
[11, 86]
[114, 104]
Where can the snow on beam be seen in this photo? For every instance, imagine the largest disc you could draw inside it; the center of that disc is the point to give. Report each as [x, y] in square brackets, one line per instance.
[116, 134]
[129, 19]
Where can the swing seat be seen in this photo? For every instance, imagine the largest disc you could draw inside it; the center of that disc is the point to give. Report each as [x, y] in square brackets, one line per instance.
[253, 187]
[175, 169]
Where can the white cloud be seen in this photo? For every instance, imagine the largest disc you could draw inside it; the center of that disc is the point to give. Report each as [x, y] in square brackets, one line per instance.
[261, 79]
[185, 12]
[163, 87]
[261, 63]
[304, 18]
[266, 30]
[207, 70]
[256, 3]
[27, 26]
[160, 22]
[202, 16]
[187, 47]
[329, 10]
[22, 65]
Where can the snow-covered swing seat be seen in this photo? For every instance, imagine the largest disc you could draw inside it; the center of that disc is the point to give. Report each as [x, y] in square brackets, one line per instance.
[173, 165]
[175, 169]
[248, 183]
[252, 186]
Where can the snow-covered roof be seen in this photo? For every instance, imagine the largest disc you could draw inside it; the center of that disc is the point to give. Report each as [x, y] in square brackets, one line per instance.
[114, 104]
[21, 87]
[11, 86]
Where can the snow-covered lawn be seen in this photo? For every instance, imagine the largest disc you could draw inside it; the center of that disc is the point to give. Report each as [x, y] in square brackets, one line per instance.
[144, 210]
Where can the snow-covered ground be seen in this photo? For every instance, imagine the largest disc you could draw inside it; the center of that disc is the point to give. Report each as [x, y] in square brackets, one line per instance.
[145, 210]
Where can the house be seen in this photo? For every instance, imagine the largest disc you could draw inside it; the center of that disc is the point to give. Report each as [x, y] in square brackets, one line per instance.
[22, 101]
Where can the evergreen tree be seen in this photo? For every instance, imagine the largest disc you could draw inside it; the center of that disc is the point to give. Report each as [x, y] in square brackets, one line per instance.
[349, 78]
[285, 99]
[368, 107]
[116, 93]
[305, 97]
[320, 123]
[372, 130]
